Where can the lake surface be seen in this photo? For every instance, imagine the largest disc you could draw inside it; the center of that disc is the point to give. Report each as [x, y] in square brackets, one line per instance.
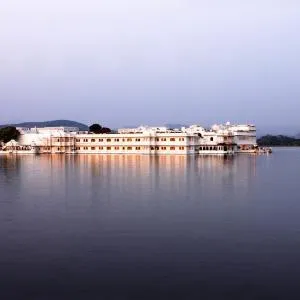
[140, 227]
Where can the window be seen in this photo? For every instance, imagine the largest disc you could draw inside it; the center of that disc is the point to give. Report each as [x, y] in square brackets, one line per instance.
[129, 148]
[172, 139]
[129, 139]
[163, 139]
[85, 148]
[181, 148]
[100, 140]
[211, 139]
[116, 148]
[123, 148]
[100, 148]
[92, 148]
[78, 140]
[157, 139]
[172, 148]
[85, 140]
[137, 140]
[116, 140]
[58, 140]
[108, 148]
[92, 140]
[137, 148]
[108, 140]
[152, 148]
[156, 148]
[163, 148]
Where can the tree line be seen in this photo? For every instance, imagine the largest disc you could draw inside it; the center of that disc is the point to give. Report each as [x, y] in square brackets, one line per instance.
[278, 140]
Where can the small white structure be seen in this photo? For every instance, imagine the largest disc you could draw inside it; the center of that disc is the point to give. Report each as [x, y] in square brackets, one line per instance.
[244, 135]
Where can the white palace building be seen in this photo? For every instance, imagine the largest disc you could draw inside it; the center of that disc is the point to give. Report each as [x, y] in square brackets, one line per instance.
[219, 139]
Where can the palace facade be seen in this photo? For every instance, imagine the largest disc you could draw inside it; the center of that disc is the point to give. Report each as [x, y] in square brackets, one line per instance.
[220, 139]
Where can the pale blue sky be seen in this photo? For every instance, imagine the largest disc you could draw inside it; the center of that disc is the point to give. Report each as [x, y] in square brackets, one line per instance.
[150, 62]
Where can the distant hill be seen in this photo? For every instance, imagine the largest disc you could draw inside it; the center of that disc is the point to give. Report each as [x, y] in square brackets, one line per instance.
[55, 123]
[278, 140]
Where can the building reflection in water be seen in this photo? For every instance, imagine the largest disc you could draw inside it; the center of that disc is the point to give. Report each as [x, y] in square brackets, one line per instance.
[102, 175]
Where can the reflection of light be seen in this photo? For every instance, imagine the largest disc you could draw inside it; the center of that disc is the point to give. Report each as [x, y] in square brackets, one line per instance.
[125, 172]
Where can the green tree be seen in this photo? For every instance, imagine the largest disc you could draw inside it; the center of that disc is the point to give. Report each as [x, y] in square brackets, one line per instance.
[9, 133]
[105, 130]
[96, 128]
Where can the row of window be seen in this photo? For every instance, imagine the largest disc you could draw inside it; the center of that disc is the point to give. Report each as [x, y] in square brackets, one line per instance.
[128, 148]
[211, 148]
[171, 139]
[108, 148]
[167, 148]
[127, 139]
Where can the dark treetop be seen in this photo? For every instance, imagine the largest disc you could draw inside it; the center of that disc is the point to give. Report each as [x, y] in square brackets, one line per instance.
[8, 133]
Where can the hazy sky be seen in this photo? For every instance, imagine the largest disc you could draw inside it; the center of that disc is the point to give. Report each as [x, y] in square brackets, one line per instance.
[132, 62]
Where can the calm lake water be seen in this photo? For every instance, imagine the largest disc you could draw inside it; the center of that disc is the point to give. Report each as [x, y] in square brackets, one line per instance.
[139, 227]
